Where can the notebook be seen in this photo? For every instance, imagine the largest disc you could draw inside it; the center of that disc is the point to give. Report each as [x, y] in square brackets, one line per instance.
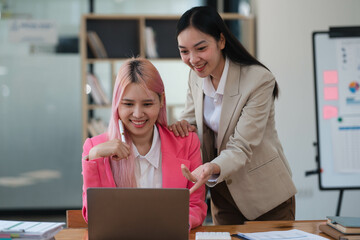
[138, 213]
[348, 225]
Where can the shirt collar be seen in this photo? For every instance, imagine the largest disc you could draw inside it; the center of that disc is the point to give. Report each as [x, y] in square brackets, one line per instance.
[208, 86]
[153, 155]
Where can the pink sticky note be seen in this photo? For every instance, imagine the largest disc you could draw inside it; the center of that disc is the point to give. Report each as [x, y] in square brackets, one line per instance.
[330, 112]
[331, 93]
[330, 77]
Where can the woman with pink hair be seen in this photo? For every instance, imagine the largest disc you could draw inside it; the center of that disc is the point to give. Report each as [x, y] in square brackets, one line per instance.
[151, 156]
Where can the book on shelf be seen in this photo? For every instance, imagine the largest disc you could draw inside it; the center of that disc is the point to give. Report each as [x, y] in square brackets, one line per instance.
[96, 90]
[96, 127]
[332, 232]
[150, 43]
[347, 225]
[96, 45]
[29, 230]
[91, 129]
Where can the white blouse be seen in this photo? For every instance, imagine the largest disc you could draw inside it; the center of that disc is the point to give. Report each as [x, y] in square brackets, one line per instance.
[213, 100]
[148, 168]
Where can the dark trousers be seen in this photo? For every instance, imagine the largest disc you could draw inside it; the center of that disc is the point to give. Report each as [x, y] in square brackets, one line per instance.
[225, 212]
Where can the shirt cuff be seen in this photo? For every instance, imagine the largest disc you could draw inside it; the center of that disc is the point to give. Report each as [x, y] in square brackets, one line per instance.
[213, 178]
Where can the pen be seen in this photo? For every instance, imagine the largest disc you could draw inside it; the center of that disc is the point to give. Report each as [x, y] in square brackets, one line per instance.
[122, 133]
[241, 236]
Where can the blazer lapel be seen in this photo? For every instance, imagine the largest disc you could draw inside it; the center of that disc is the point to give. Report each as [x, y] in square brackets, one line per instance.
[230, 99]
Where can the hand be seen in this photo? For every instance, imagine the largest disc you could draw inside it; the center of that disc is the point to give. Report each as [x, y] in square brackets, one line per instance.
[115, 148]
[200, 175]
[182, 128]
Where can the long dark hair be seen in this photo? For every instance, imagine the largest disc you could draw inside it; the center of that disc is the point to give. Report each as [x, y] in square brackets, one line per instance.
[208, 21]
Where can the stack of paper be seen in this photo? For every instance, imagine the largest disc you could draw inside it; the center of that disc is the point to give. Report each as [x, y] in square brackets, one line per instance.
[277, 235]
[29, 230]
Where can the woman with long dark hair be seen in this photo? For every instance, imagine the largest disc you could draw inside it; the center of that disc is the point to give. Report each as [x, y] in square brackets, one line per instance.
[230, 103]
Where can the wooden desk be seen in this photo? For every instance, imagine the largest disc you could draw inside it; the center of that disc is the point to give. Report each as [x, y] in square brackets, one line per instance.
[307, 226]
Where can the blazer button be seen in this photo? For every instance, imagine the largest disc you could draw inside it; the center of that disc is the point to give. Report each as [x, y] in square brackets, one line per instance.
[228, 182]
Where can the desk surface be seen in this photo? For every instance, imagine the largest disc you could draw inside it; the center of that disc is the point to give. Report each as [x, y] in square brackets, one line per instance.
[307, 226]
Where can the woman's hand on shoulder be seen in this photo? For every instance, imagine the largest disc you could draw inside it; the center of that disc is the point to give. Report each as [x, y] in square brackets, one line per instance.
[114, 148]
[182, 128]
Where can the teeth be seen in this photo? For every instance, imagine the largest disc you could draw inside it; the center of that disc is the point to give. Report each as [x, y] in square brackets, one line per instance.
[199, 66]
[138, 123]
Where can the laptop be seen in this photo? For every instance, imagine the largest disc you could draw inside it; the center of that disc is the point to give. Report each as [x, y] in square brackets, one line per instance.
[138, 213]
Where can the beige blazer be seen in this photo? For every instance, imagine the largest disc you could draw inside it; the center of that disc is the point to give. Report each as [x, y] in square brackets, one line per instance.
[249, 152]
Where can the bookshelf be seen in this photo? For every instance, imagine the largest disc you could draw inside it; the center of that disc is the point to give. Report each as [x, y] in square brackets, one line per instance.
[124, 36]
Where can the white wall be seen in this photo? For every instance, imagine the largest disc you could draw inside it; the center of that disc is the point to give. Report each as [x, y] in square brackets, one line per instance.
[284, 44]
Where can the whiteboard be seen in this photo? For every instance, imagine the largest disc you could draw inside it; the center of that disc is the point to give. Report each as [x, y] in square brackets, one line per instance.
[337, 96]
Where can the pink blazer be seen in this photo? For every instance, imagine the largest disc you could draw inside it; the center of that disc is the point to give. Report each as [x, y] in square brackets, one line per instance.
[175, 151]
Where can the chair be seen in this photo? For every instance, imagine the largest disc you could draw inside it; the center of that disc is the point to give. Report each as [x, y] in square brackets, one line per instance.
[74, 219]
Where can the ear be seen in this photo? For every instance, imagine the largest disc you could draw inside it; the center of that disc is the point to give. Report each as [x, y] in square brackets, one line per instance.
[162, 99]
[222, 41]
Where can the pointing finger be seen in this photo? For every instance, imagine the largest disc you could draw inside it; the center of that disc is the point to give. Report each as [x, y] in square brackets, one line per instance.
[187, 174]
[196, 186]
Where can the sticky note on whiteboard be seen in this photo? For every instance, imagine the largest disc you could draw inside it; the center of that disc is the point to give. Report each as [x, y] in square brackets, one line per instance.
[331, 93]
[330, 112]
[330, 77]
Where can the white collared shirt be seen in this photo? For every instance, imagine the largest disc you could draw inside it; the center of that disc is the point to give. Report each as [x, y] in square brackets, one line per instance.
[212, 106]
[213, 100]
[148, 168]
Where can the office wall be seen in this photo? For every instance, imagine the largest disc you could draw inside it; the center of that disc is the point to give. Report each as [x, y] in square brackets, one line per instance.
[40, 113]
[284, 44]
[40, 132]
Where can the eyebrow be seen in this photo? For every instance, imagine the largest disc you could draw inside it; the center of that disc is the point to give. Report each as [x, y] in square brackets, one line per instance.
[130, 100]
[196, 44]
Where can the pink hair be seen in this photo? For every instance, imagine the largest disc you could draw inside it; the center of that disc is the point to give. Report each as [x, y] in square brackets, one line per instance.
[139, 71]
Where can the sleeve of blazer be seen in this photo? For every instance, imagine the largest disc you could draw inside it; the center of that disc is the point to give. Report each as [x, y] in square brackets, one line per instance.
[250, 128]
[197, 205]
[188, 113]
[91, 175]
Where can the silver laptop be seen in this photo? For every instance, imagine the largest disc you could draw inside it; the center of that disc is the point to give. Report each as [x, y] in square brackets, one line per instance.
[138, 213]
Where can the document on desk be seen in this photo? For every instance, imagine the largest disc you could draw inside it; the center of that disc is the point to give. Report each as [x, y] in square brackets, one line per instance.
[30, 230]
[280, 235]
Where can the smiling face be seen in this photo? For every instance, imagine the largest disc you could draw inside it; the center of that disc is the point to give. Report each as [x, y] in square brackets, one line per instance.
[201, 52]
[139, 110]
